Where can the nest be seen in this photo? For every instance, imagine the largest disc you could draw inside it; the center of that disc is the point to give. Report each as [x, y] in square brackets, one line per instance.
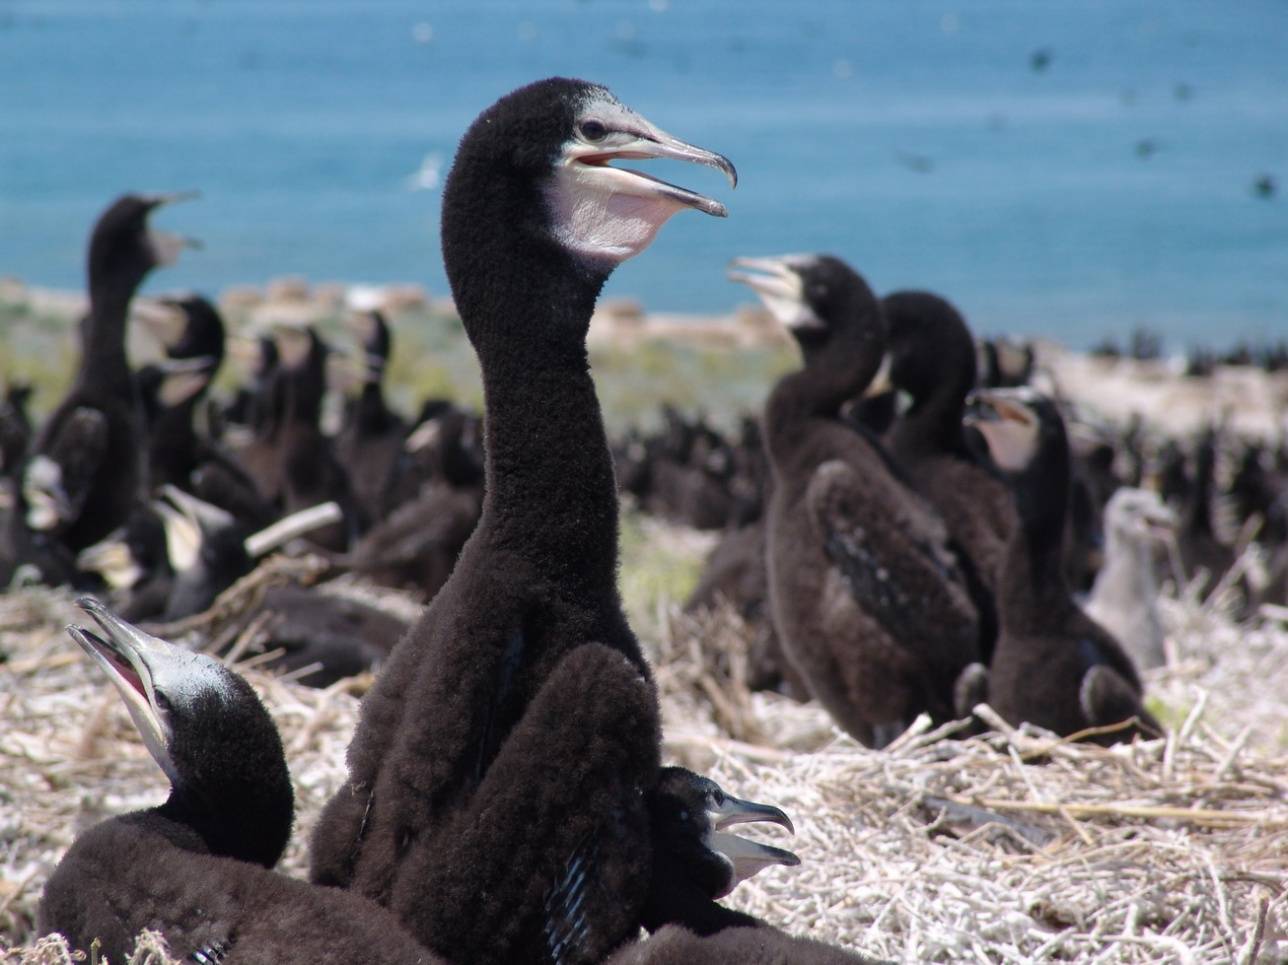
[1013, 846]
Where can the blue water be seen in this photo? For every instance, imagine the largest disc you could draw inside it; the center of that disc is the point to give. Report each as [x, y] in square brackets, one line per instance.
[303, 122]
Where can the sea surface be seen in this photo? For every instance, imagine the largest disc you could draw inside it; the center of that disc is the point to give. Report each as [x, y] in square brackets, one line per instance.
[1072, 168]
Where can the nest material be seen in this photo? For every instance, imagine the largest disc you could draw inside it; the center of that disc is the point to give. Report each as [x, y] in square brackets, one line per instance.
[1012, 846]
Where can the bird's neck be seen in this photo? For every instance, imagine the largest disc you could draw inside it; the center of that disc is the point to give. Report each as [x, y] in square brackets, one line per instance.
[933, 424]
[103, 359]
[246, 814]
[831, 377]
[1128, 573]
[1034, 567]
[550, 493]
[372, 413]
[1199, 517]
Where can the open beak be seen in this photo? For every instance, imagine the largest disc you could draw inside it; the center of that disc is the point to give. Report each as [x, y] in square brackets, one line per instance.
[984, 405]
[129, 657]
[172, 197]
[164, 320]
[745, 856]
[185, 520]
[166, 247]
[1007, 425]
[778, 283]
[112, 559]
[650, 142]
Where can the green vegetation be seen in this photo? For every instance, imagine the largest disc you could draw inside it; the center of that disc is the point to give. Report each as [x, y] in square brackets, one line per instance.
[655, 571]
[432, 357]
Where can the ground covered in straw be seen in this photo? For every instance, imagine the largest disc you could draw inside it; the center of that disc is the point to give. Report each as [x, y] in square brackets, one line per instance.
[1009, 847]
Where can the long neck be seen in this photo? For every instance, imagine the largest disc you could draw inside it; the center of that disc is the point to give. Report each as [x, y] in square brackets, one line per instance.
[934, 423]
[1034, 568]
[833, 374]
[1199, 518]
[372, 413]
[526, 305]
[103, 358]
[550, 493]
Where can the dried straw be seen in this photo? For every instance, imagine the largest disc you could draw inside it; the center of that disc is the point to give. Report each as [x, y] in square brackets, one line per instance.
[1013, 846]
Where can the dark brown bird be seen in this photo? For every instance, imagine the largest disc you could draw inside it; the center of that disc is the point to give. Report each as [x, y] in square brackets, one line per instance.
[932, 361]
[506, 747]
[1053, 666]
[868, 600]
[196, 868]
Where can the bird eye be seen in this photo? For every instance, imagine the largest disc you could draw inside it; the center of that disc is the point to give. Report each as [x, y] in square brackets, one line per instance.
[163, 702]
[593, 130]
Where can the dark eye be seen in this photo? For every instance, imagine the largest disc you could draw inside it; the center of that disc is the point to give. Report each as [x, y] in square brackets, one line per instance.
[593, 130]
[163, 702]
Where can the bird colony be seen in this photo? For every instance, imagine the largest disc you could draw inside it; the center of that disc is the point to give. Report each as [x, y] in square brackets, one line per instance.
[977, 662]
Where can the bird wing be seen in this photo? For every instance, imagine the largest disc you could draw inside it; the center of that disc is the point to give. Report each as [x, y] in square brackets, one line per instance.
[567, 923]
[895, 561]
[556, 834]
[58, 479]
[1107, 698]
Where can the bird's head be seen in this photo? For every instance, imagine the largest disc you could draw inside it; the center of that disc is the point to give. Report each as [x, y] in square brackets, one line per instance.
[123, 243]
[815, 297]
[179, 700]
[1139, 517]
[536, 174]
[208, 731]
[929, 343]
[691, 815]
[1019, 426]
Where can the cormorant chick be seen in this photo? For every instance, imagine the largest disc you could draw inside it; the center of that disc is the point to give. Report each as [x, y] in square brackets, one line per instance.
[1124, 599]
[867, 597]
[932, 360]
[88, 457]
[506, 746]
[196, 867]
[1054, 666]
[696, 862]
[370, 445]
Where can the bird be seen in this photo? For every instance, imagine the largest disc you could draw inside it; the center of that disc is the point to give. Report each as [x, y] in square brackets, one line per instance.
[86, 460]
[696, 861]
[291, 460]
[370, 444]
[191, 332]
[197, 867]
[1053, 666]
[932, 361]
[507, 743]
[1124, 598]
[868, 599]
[1204, 555]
